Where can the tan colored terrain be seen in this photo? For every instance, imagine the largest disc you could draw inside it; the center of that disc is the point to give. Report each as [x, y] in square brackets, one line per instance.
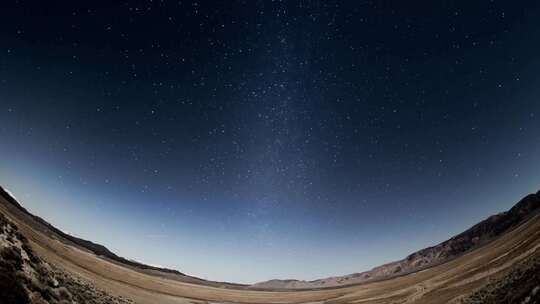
[445, 283]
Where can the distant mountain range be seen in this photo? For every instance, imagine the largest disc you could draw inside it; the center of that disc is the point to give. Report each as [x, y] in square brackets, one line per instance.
[478, 235]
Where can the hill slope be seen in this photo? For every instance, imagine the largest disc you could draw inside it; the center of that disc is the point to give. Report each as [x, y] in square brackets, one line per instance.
[101, 250]
[479, 234]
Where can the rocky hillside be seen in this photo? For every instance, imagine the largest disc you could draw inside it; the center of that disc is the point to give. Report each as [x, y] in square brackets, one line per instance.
[477, 235]
[519, 286]
[26, 278]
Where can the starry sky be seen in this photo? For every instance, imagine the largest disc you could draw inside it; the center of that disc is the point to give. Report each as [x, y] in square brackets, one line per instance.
[251, 140]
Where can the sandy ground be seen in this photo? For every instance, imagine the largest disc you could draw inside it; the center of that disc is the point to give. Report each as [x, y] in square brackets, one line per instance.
[445, 283]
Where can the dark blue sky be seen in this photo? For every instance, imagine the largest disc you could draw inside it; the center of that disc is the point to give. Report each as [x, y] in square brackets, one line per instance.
[249, 140]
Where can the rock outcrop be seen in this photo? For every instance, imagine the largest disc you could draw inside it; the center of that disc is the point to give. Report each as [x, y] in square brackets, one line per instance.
[26, 278]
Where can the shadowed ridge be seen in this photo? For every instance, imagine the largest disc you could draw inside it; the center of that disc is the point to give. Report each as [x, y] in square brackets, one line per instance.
[101, 250]
[97, 249]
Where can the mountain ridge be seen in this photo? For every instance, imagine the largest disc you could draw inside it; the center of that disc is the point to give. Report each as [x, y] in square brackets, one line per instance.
[474, 237]
[103, 251]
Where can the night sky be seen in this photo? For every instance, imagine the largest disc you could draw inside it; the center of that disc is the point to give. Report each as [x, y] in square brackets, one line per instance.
[250, 140]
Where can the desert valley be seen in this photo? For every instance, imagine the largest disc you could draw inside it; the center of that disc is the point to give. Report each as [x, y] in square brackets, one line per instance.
[495, 261]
